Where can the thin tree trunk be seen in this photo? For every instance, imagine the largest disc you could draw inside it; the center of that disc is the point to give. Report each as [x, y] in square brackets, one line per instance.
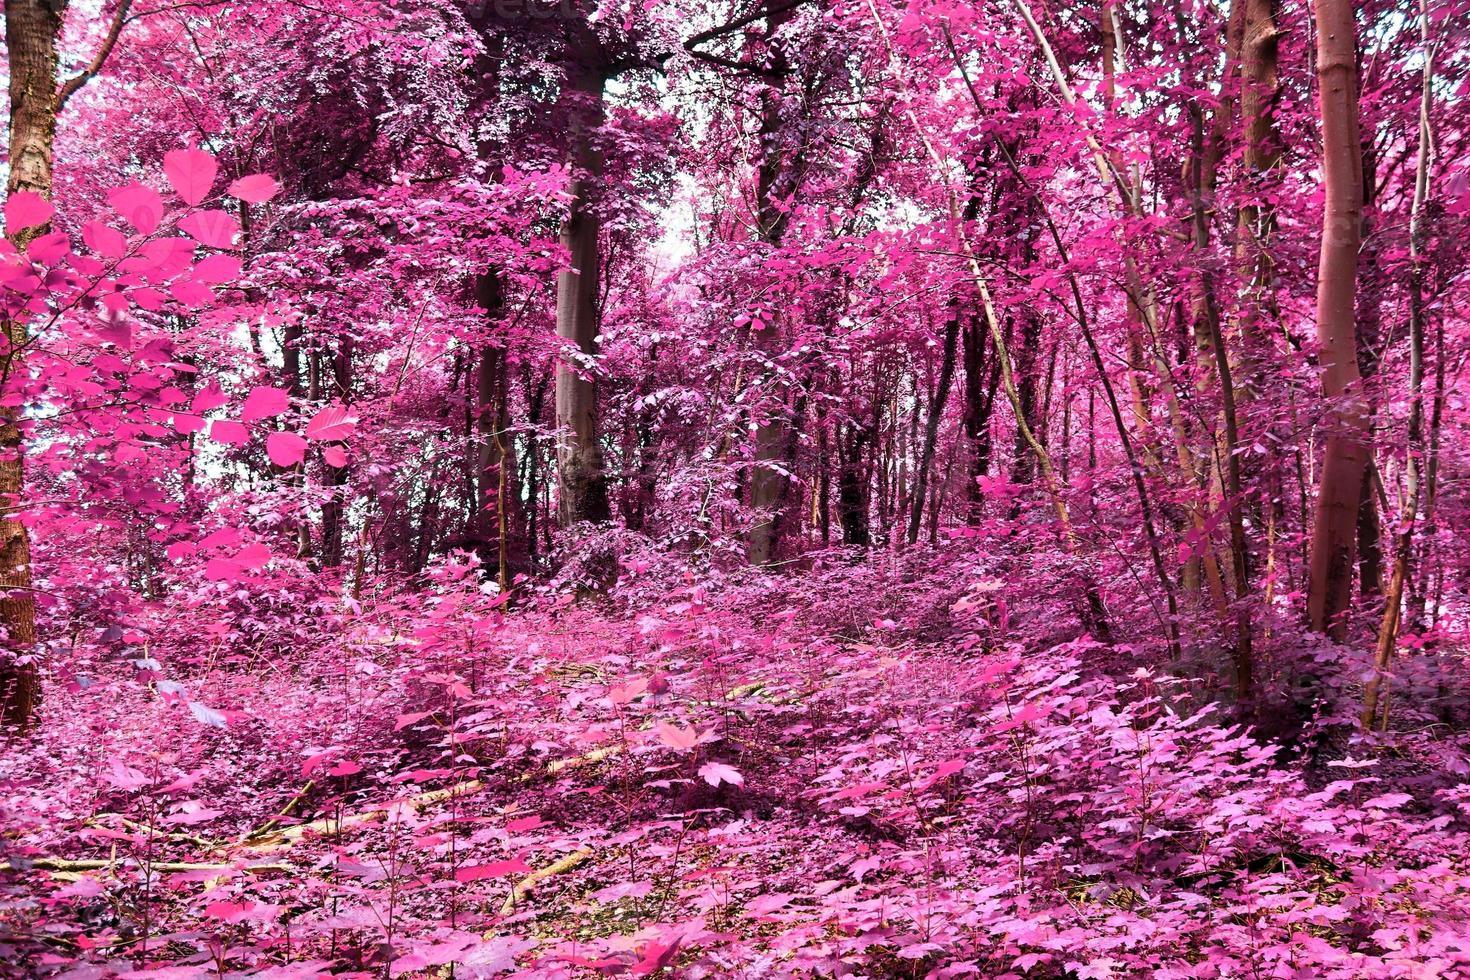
[1334, 531]
[497, 494]
[1388, 630]
[982, 379]
[334, 505]
[931, 425]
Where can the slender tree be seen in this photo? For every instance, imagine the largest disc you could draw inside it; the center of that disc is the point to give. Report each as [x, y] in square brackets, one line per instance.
[1334, 530]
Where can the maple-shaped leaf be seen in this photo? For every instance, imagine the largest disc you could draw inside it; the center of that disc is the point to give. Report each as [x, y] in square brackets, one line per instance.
[190, 173]
[255, 188]
[681, 739]
[716, 773]
[125, 777]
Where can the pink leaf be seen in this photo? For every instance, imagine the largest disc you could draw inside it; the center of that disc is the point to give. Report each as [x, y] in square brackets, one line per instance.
[524, 823]
[766, 904]
[674, 737]
[313, 761]
[716, 773]
[255, 188]
[180, 549]
[104, 240]
[264, 403]
[26, 209]
[229, 433]
[330, 424]
[213, 228]
[225, 537]
[285, 448]
[254, 556]
[496, 869]
[141, 206]
[125, 777]
[190, 293]
[146, 297]
[207, 398]
[412, 718]
[217, 269]
[190, 173]
[335, 456]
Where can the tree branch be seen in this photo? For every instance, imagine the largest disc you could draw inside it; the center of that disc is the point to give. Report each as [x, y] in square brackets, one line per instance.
[74, 84]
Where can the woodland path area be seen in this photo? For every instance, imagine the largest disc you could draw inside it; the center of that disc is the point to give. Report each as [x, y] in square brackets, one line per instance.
[702, 796]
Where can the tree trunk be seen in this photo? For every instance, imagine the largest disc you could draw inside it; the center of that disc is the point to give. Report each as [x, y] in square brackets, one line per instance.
[1388, 631]
[31, 30]
[981, 381]
[931, 425]
[1334, 531]
[497, 494]
[582, 482]
[768, 477]
[333, 507]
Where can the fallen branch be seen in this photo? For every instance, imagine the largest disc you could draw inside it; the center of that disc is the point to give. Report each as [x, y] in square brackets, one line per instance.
[577, 762]
[528, 884]
[275, 821]
[61, 866]
[101, 819]
[285, 837]
[273, 840]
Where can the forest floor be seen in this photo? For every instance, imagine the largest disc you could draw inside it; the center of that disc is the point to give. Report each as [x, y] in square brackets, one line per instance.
[710, 785]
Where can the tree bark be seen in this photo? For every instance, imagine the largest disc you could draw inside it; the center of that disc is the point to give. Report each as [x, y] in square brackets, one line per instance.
[31, 30]
[931, 425]
[1388, 630]
[582, 483]
[768, 477]
[497, 494]
[1334, 531]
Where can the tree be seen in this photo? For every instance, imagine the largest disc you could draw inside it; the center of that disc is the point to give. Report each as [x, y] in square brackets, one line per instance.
[31, 31]
[1345, 457]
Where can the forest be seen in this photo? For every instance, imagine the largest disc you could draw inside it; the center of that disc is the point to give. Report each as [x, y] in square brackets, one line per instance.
[864, 489]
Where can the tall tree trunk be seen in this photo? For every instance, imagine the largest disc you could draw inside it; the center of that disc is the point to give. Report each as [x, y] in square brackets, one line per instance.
[1388, 630]
[1213, 358]
[981, 381]
[937, 405]
[333, 508]
[497, 493]
[1334, 531]
[768, 477]
[582, 481]
[852, 486]
[31, 30]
